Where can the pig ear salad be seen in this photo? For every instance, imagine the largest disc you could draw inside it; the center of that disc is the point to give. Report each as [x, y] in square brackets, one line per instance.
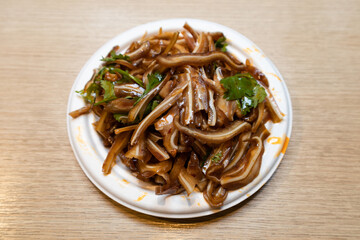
[182, 113]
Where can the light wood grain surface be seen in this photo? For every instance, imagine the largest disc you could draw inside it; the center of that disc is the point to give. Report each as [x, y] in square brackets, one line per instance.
[315, 193]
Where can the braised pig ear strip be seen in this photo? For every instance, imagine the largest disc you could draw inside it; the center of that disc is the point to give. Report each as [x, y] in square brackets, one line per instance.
[182, 113]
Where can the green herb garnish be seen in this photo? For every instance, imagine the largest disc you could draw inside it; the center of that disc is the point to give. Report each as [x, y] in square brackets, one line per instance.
[147, 110]
[109, 94]
[245, 90]
[217, 157]
[220, 43]
[120, 117]
[101, 73]
[154, 104]
[150, 107]
[90, 93]
[153, 80]
[114, 56]
[127, 76]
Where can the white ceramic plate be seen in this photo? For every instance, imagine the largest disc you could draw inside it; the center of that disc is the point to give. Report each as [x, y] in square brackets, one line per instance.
[124, 188]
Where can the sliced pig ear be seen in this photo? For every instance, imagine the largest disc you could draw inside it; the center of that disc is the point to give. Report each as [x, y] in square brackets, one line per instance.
[202, 44]
[215, 137]
[168, 102]
[128, 89]
[187, 181]
[139, 108]
[154, 137]
[193, 33]
[120, 105]
[214, 85]
[140, 52]
[211, 43]
[200, 149]
[260, 116]
[119, 144]
[80, 111]
[273, 108]
[193, 167]
[240, 150]
[198, 59]
[212, 109]
[148, 170]
[165, 126]
[201, 97]
[156, 150]
[238, 176]
[139, 151]
[189, 101]
[171, 43]
[215, 194]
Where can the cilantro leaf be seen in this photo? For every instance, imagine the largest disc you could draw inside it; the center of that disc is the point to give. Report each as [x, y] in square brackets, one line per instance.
[220, 43]
[114, 56]
[137, 100]
[154, 104]
[120, 117]
[109, 89]
[259, 95]
[245, 90]
[217, 157]
[127, 76]
[150, 107]
[90, 93]
[158, 98]
[109, 94]
[238, 86]
[246, 104]
[153, 80]
[101, 73]
[147, 110]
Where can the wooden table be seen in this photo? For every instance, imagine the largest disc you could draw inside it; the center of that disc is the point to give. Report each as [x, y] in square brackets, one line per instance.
[315, 193]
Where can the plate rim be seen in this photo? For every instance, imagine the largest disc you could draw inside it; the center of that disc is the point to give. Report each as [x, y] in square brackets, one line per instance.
[250, 192]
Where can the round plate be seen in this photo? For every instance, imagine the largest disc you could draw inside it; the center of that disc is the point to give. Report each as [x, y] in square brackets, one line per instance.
[127, 190]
